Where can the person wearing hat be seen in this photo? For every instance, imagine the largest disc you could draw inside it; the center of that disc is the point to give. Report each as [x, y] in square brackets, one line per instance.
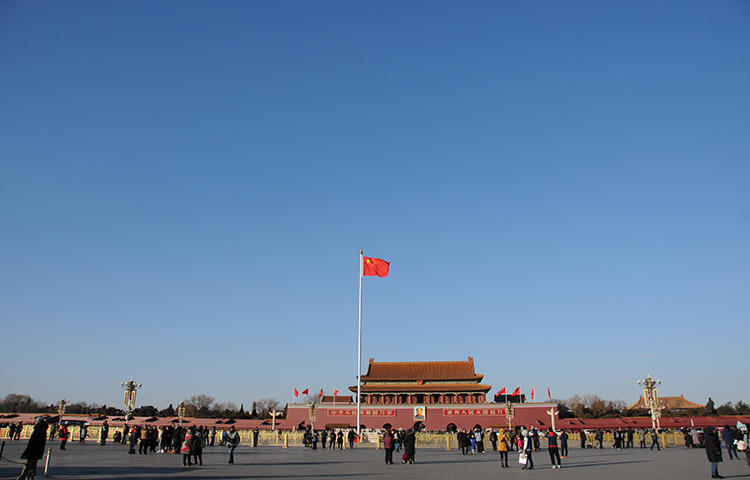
[712, 444]
[34, 449]
[64, 434]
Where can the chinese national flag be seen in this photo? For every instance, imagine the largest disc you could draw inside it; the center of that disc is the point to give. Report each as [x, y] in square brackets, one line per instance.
[532, 393]
[375, 267]
[335, 392]
[501, 392]
[305, 391]
[517, 391]
[296, 393]
[321, 393]
[549, 395]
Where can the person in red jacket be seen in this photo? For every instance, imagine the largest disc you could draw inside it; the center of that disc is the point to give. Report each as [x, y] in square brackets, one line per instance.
[388, 445]
[64, 435]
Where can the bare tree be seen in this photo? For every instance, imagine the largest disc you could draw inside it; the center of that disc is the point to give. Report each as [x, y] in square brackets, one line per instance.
[264, 406]
[198, 405]
[17, 403]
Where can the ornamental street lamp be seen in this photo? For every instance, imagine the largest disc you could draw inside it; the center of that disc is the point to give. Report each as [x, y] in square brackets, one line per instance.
[131, 389]
[552, 412]
[181, 411]
[274, 414]
[651, 399]
[509, 413]
[61, 410]
[312, 414]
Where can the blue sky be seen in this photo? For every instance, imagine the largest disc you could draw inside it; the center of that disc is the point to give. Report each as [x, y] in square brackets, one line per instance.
[561, 189]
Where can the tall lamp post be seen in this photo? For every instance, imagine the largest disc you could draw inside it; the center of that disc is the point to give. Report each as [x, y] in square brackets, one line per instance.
[181, 412]
[509, 413]
[552, 412]
[651, 399]
[61, 410]
[131, 389]
[312, 414]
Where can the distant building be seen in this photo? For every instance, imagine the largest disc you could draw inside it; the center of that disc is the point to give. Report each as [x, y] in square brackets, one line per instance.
[669, 403]
[433, 395]
[388, 383]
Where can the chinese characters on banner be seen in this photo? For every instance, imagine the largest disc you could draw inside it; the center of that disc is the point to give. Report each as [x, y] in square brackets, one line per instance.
[366, 412]
[471, 412]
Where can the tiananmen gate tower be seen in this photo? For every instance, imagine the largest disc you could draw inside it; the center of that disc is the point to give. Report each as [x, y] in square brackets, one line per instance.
[437, 395]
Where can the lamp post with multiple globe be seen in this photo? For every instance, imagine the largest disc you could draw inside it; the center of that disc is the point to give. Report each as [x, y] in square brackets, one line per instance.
[131, 389]
[61, 410]
[651, 399]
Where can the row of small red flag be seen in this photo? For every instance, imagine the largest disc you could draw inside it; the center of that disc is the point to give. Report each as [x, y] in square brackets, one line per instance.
[307, 392]
[517, 392]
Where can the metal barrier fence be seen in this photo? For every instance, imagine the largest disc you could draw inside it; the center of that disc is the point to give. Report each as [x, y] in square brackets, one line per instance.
[424, 439]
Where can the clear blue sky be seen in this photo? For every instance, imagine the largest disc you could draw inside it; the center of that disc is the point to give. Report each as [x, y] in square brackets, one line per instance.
[561, 187]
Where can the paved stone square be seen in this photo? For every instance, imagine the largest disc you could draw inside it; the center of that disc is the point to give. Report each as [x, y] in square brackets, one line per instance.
[92, 462]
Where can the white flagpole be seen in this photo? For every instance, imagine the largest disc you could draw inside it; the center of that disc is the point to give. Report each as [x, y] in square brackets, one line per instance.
[359, 344]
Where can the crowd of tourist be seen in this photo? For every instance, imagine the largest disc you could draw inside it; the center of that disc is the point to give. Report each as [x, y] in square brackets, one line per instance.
[328, 438]
[189, 442]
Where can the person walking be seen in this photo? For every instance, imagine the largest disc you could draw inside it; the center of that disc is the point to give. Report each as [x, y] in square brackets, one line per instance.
[233, 440]
[655, 440]
[712, 444]
[564, 444]
[256, 432]
[350, 436]
[502, 448]
[493, 440]
[388, 446]
[64, 434]
[104, 433]
[34, 449]
[463, 442]
[642, 437]
[83, 433]
[528, 449]
[728, 436]
[554, 454]
[582, 438]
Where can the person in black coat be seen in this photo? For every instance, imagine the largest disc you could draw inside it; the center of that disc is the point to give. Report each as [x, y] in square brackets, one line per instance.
[196, 448]
[34, 449]
[410, 441]
[712, 445]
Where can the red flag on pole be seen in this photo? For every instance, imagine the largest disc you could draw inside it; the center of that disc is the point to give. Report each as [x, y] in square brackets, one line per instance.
[335, 392]
[296, 393]
[549, 395]
[375, 267]
[501, 392]
[532, 393]
[321, 393]
[305, 391]
[517, 391]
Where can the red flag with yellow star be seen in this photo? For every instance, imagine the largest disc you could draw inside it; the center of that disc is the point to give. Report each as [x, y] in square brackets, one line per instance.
[375, 267]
